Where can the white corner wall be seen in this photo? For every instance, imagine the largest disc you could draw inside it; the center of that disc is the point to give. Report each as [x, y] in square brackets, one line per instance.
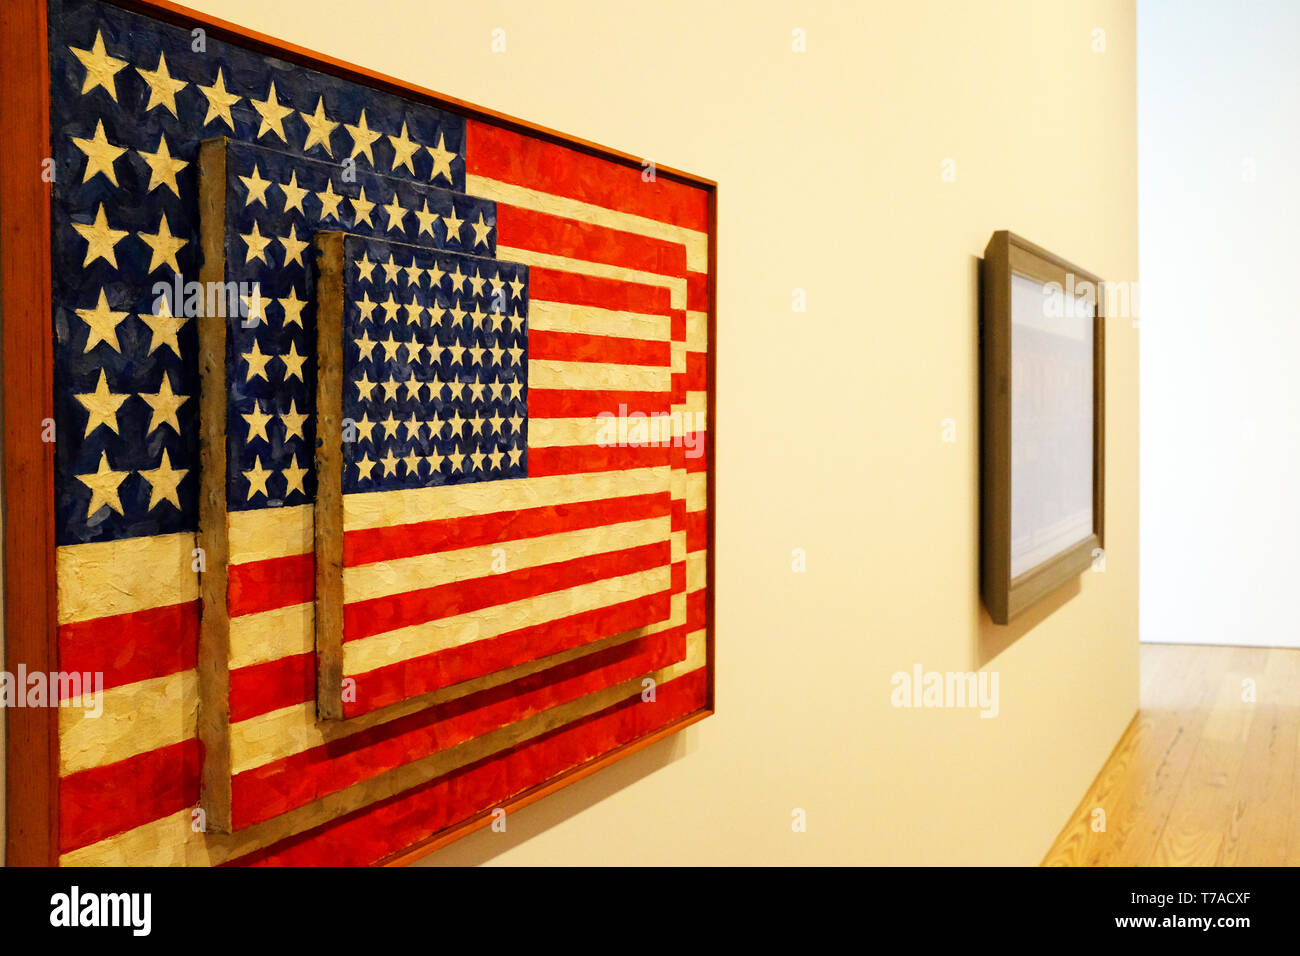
[1219, 215]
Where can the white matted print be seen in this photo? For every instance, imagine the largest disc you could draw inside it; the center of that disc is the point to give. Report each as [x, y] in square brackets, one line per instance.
[1051, 421]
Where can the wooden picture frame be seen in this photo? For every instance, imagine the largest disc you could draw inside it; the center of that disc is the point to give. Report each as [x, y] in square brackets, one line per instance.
[1022, 559]
[30, 572]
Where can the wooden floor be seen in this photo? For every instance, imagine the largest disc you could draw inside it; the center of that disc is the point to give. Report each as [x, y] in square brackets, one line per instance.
[1201, 777]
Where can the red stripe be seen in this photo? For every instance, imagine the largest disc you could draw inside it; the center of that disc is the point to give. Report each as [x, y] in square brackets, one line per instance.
[132, 647]
[97, 803]
[371, 833]
[510, 157]
[278, 787]
[447, 534]
[612, 349]
[696, 460]
[520, 228]
[697, 530]
[581, 403]
[266, 585]
[262, 688]
[420, 675]
[679, 514]
[697, 370]
[697, 291]
[679, 576]
[579, 459]
[678, 325]
[379, 615]
[696, 610]
[551, 285]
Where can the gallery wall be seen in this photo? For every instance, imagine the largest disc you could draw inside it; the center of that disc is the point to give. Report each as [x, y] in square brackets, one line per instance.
[1218, 99]
[862, 176]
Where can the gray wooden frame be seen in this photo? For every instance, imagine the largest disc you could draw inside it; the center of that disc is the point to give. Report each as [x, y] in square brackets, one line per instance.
[1006, 597]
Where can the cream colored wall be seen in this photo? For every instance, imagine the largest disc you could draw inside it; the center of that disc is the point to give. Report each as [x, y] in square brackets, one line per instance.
[830, 422]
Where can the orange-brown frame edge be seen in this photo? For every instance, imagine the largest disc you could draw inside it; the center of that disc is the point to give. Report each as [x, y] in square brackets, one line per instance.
[31, 634]
[32, 755]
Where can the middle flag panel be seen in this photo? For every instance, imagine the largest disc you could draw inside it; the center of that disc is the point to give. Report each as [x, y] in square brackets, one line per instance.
[390, 572]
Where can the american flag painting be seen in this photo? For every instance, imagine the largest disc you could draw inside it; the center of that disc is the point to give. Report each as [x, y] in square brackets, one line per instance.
[381, 485]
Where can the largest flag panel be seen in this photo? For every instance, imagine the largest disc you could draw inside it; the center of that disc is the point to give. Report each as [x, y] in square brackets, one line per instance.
[510, 618]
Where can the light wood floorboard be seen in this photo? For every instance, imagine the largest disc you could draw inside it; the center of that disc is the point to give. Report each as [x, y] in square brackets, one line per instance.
[1204, 775]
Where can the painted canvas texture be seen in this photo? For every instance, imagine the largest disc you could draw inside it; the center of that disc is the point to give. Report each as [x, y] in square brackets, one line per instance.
[299, 319]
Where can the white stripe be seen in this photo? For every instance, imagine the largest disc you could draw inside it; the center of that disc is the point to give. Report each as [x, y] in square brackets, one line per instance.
[696, 242]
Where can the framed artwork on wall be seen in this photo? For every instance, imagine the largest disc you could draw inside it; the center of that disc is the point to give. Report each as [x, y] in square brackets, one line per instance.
[1042, 423]
[380, 496]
